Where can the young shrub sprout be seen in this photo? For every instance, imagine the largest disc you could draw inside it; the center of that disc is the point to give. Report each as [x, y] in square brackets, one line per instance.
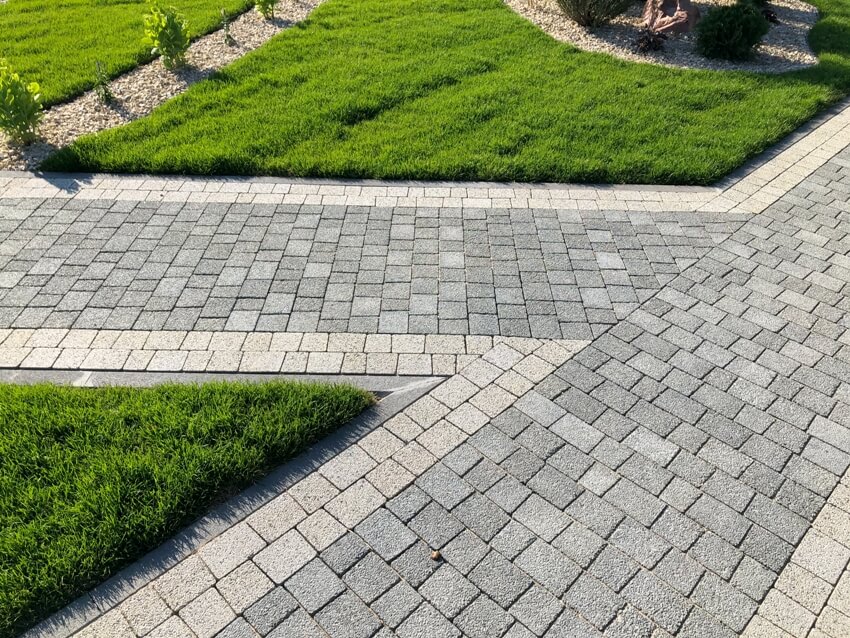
[20, 106]
[167, 35]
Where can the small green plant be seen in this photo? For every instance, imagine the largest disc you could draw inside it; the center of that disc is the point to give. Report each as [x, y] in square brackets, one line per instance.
[266, 8]
[166, 32]
[225, 28]
[731, 32]
[20, 105]
[101, 84]
[593, 13]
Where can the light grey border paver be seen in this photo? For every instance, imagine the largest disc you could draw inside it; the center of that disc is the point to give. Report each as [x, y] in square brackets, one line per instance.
[749, 189]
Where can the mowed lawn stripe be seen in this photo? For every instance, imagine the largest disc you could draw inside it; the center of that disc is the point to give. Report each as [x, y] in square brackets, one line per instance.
[92, 478]
[465, 89]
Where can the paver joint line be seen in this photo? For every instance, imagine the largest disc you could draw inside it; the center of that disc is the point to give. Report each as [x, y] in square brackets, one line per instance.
[642, 431]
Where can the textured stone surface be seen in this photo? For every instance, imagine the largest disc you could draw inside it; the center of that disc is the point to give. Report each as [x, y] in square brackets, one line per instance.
[679, 475]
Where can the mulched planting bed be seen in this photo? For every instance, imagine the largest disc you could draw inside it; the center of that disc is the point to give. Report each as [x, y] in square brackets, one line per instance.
[92, 478]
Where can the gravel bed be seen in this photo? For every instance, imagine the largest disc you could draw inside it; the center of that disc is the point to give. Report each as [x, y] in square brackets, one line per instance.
[144, 88]
[784, 48]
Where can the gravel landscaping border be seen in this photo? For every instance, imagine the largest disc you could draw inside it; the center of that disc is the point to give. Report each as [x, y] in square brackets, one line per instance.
[394, 398]
[140, 91]
[784, 48]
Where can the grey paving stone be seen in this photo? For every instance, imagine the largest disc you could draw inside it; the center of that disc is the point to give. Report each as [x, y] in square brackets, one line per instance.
[435, 525]
[614, 568]
[239, 628]
[724, 602]
[370, 577]
[753, 579]
[658, 601]
[481, 515]
[719, 518]
[484, 619]
[522, 464]
[677, 529]
[427, 622]
[485, 475]
[641, 544]
[247, 275]
[777, 519]
[548, 566]
[397, 604]
[635, 501]
[767, 548]
[462, 459]
[536, 609]
[513, 539]
[348, 617]
[444, 486]
[580, 544]
[298, 625]
[314, 585]
[416, 564]
[593, 600]
[595, 513]
[448, 591]
[630, 623]
[679, 571]
[493, 444]
[569, 624]
[499, 579]
[465, 551]
[386, 534]
[408, 503]
[541, 517]
[554, 486]
[268, 612]
[344, 553]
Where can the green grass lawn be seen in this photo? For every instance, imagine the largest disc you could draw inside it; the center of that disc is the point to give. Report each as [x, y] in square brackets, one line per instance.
[465, 89]
[91, 479]
[57, 42]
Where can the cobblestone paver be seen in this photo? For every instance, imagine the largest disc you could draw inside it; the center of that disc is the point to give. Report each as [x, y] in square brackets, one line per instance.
[683, 473]
[103, 264]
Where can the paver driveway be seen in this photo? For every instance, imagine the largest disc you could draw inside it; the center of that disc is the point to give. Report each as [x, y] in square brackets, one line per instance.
[665, 459]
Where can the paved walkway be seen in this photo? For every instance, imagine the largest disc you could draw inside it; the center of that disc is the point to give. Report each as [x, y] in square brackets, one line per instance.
[644, 428]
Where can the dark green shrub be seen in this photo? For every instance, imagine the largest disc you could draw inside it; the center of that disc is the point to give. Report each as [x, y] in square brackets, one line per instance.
[593, 13]
[732, 32]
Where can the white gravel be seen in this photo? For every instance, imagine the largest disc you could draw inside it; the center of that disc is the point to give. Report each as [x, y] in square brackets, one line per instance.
[784, 48]
[141, 90]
